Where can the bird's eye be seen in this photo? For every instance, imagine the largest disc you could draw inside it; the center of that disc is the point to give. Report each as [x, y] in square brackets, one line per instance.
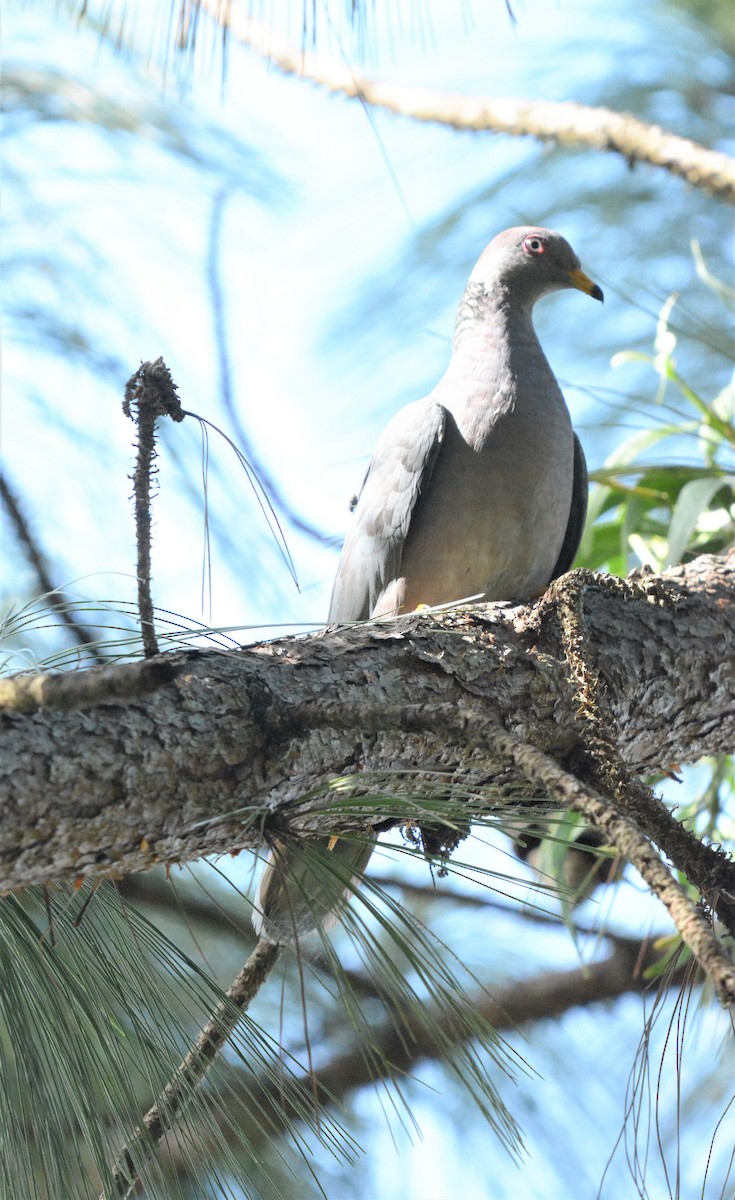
[533, 245]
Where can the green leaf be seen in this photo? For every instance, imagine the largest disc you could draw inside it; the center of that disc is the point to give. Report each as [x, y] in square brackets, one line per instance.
[693, 499]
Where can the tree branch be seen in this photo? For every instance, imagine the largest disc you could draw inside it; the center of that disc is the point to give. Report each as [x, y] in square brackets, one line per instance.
[395, 1052]
[563, 122]
[107, 771]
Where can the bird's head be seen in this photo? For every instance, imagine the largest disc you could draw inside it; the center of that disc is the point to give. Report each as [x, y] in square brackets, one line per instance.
[527, 262]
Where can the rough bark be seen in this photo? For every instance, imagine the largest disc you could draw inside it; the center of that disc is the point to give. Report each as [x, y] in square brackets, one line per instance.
[107, 771]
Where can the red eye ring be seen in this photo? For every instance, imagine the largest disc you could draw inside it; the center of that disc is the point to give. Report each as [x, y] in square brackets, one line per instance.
[534, 244]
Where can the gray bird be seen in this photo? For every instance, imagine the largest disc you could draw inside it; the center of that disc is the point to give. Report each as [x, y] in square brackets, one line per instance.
[477, 491]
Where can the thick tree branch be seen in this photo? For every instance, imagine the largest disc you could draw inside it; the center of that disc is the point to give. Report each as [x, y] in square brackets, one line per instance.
[199, 753]
[564, 122]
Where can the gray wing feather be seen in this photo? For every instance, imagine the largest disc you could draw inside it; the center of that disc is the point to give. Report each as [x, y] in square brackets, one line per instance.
[577, 513]
[400, 470]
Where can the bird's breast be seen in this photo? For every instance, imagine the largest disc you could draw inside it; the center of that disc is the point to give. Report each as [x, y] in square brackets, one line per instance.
[493, 516]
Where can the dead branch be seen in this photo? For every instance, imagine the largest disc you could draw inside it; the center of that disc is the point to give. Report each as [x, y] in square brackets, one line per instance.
[149, 394]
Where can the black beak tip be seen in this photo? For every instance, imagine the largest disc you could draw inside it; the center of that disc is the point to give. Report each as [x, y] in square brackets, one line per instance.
[598, 294]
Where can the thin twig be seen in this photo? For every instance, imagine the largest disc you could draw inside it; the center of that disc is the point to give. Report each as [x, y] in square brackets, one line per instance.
[163, 1115]
[55, 597]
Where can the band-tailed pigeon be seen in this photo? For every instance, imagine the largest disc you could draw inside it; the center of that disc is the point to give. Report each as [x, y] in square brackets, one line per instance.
[477, 491]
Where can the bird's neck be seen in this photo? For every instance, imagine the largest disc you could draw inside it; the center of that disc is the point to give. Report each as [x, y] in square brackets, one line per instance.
[487, 318]
[497, 362]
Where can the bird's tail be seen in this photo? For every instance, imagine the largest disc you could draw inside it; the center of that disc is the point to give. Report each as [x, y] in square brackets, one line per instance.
[307, 884]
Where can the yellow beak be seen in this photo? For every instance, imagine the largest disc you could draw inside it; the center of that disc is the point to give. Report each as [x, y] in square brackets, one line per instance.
[583, 283]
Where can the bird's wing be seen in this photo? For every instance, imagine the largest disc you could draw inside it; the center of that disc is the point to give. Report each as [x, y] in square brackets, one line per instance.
[400, 470]
[577, 513]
